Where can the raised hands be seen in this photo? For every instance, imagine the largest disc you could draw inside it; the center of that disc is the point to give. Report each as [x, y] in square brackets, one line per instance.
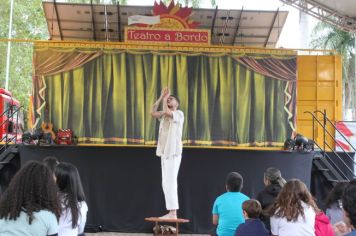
[165, 93]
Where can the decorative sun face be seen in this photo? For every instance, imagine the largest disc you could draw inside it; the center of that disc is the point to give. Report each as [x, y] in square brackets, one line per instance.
[171, 21]
[173, 16]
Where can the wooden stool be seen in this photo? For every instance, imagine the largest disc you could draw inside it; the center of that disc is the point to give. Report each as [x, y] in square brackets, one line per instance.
[158, 220]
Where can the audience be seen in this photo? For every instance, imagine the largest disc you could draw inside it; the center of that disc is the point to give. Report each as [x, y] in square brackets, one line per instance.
[334, 203]
[51, 162]
[253, 226]
[30, 206]
[273, 182]
[349, 206]
[72, 198]
[294, 211]
[33, 205]
[227, 209]
[322, 226]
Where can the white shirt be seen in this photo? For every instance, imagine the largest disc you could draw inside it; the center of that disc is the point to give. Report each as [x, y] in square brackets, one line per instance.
[303, 226]
[170, 135]
[65, 221]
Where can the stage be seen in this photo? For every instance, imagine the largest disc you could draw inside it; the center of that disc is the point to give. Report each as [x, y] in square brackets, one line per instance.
[123, 184]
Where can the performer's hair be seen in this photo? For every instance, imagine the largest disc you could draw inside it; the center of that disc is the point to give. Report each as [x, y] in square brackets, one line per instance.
[234, 182]
[176, 98]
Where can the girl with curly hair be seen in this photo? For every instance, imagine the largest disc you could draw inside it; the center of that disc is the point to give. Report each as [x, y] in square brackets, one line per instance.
[30, 205]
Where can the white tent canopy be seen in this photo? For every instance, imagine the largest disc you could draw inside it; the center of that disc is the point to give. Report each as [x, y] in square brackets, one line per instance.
[341, 13]
[99, 22]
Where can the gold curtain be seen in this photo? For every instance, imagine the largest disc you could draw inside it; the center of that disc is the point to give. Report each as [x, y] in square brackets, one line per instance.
[108, 99]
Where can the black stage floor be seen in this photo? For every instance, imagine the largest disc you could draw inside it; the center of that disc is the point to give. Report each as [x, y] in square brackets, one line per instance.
[123, 184]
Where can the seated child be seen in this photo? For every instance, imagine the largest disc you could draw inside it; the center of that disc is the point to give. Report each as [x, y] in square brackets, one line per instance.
[253, 226]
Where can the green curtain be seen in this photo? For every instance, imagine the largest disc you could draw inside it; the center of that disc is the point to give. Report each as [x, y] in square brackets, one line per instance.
[108, 100]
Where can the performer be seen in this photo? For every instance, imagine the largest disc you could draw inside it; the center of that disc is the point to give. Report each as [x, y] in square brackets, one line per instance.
[169, 147]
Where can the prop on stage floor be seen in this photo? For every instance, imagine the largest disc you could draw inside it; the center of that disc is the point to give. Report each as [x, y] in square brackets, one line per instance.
[43, 137]
[160, 229]
[299, 143]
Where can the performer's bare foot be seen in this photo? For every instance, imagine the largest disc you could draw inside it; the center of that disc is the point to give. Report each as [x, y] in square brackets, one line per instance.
[172, 214]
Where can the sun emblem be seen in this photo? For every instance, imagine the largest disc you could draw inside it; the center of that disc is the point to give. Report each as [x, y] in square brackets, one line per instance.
[174, 16]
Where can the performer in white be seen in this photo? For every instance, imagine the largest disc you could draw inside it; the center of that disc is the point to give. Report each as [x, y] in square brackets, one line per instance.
[169, 147]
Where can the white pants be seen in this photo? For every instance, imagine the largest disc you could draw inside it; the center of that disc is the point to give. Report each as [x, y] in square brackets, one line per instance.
[170, 168]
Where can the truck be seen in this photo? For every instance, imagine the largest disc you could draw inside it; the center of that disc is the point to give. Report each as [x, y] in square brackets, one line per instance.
[11, 118]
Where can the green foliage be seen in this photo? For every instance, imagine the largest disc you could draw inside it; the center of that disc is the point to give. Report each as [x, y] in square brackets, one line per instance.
[28, 23]
[326, 36]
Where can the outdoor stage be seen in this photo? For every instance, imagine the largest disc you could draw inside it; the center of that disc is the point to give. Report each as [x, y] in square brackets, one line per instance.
[123, 184]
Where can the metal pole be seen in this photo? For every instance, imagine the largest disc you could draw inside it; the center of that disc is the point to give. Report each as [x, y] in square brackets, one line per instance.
[17, 124]
[353, 112]
[313, 130]
[324, 130]
[9, 47]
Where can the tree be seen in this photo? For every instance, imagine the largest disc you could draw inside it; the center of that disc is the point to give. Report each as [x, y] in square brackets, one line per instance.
[326, 36]
[28, 23]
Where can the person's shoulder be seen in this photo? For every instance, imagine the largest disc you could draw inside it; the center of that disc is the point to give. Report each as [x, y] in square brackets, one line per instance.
[243, 196]
[45, 213]
[241, 229]
[180, 112]
[83, 205]
[307, 207]
[257, 221]
[221, 197]
[47, 217]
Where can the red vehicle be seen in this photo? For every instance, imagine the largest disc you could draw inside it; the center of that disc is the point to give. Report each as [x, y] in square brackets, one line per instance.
[11, 118]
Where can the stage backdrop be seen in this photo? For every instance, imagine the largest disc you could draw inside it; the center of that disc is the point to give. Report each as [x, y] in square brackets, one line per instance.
[105, 96]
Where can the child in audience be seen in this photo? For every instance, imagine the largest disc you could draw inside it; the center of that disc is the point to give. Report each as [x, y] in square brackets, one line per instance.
[334, 203]
[30, 204]
[51, 162]
[294, 211]
[227, 209]
[349, 206]
[273, 182]
[253, 226]
[72, 198]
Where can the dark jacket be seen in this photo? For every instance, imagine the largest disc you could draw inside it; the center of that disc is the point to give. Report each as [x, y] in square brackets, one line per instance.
[268, 195]
[252, 227]
[267, 198]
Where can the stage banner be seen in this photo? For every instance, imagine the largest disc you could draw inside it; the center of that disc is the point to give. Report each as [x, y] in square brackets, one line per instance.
[169, 25]
[348, 131]
[197, 37]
